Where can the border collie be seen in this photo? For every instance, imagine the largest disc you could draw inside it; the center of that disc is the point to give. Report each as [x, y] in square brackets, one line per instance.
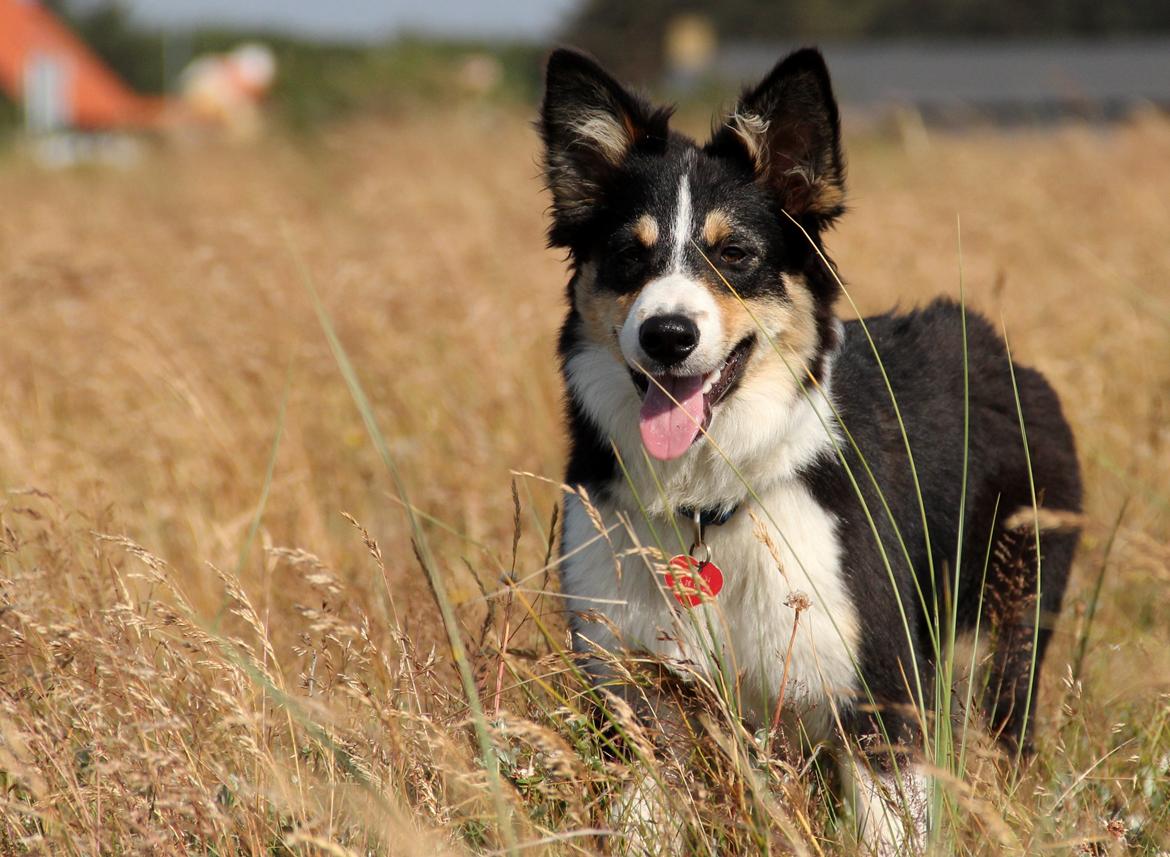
[836, 474]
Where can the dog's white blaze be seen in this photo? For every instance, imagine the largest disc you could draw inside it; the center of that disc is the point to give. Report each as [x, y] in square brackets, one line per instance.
[890, 811]
[682, 224]
[677, 293]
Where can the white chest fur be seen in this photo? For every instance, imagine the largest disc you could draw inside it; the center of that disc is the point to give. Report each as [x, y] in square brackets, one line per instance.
[746, 632]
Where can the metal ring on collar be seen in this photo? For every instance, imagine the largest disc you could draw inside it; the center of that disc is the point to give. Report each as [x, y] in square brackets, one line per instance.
[700, 546]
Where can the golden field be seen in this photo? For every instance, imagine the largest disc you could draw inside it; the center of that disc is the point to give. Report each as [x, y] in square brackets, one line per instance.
[215, 636]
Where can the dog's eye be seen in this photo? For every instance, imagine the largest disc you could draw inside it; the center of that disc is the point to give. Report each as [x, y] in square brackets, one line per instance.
[733, 254]
[631, 255]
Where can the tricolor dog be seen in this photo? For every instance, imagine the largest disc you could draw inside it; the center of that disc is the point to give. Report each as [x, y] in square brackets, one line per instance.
[867, 477]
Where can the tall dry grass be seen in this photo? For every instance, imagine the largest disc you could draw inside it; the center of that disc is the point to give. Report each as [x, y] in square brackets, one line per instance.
[214, 633]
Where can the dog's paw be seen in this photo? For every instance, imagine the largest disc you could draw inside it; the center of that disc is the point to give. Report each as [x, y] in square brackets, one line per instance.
[890, 810]
[643, 822]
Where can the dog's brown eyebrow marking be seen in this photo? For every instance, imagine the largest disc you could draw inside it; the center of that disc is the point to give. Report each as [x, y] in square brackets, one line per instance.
[716, 227]
[646, 230]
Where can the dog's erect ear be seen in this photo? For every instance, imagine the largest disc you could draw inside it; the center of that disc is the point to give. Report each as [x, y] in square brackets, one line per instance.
[590, 124]
[789, 131]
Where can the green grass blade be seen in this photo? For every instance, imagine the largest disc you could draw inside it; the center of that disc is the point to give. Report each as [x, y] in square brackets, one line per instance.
[254, 528]
[422, 551]
[1095, 598]
[1039, 560]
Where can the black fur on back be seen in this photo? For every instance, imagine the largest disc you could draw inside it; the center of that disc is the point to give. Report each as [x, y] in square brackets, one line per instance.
[922, 355]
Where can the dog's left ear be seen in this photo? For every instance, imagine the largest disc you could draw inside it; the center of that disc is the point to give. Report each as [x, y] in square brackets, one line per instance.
[590, 124]
[789, 132]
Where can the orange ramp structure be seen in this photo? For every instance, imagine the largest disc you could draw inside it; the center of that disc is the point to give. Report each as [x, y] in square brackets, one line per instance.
[60, 81]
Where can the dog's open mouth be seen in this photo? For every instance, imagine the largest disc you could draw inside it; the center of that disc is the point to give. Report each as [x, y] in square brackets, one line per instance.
[677, 410]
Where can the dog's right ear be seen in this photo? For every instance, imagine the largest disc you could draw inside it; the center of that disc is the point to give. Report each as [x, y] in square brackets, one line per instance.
[590, 123]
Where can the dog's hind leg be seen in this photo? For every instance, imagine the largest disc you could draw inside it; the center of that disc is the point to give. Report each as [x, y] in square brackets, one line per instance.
[1018, 645]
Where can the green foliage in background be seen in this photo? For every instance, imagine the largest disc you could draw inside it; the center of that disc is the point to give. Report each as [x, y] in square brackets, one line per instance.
[136, 55]
[9, 117]
[316, 82]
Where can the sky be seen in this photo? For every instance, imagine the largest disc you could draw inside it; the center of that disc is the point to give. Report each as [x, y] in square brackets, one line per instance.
[364, 19]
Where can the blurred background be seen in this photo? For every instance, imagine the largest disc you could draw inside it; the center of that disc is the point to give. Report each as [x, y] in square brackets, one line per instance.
[163, 64]
[179, 450]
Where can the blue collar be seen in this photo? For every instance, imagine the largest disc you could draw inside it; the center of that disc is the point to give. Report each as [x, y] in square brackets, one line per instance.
[716, 517]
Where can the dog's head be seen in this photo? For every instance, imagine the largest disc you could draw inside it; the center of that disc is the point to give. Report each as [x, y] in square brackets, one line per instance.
[697, 275]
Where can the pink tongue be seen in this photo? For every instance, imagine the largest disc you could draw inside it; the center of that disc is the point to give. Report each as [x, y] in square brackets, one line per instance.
[669, 429]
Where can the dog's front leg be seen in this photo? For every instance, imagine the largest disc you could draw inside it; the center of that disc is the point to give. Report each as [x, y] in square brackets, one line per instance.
[887, 789]
[640, 714]
[889, 799]
[645, 720]
[643, 821]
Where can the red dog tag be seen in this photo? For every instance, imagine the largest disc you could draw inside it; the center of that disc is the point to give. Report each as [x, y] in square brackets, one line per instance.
[690, 588]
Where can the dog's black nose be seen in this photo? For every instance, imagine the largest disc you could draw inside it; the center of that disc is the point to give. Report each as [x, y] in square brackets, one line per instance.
[668, 338]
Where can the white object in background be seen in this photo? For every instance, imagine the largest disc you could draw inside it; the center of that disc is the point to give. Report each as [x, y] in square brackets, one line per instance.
[46, 93]
[226, 89]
